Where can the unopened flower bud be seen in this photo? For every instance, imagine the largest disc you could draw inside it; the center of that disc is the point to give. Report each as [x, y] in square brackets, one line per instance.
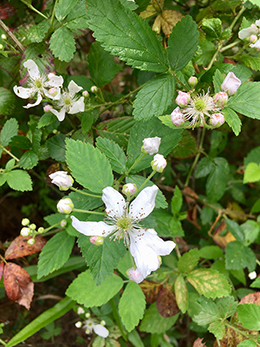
[3, 37]
[135, 275]
[85, 94]
[151, 145]
[103, 322]
[193, 81]
[87, 331]
[87, 315]
[158, 163]
[25, 221]
[97, 240]
[221, 99]
[65, 206]
[94, 89]
[80, 310]
[129, 189]
[63, 223]
[31, 241]
[217, 119]
[177, 117]
[25, 232]
[78, 324]
[62, 180]
[32, 226]
[41, 230]
[182, 99]
[47, 108]
[1, 46]
[252, 275]
[230, 83]
[53, 92]
[253, 39]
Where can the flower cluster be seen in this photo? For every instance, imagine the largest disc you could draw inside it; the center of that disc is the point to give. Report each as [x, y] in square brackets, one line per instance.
[29, 229]
[48, 89]
[91, 325]
[253, 33]
[123, 223]
[198, 109]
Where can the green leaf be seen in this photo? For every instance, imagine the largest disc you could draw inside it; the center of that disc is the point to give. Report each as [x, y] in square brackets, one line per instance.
[249, 316]
[246, 100]
[154, 98]
[247, 343]
[20, 141]
[19, 180]
[126, 35]
[28, 160]
[135, 339]
[102, 260]
[42, 320]
[36, 33]
[232, 120]
[211, 252]
[114, 153]
[252, 173]
[204, 167]
[209, 312]
[212, 28]
[187, 146]
[131, 305]
[176, 202]
[62, 44]
[216, 182]
[63, 8]
[10, 164]
[7, 103]
[84, 290]
[181, 293]
[209, 283]
[218, 79]
[42, 56]
[253, 156]
[77, 17]
[56, 147]
[9, 130]
[251, 62]
[89, 166]
[235, 230]
[46, 119]
[239, 256]
[188, 261]
[256, 283]
[182, 43]
[151, 128]
[154, 323]
[3, 178]
[55, 253]
[102, 68]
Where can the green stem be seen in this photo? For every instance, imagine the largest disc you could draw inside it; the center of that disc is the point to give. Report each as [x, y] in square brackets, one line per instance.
[34, 9]
[53, 13]
[144, 183]
[242, 332]
[2, 342]
[237, 17]
[8, 152]
[51, 227]
[178, 80]
[117, 318]
[91, 212]
[177, 250]
[84, 193]
[229, 46]
[214, 56]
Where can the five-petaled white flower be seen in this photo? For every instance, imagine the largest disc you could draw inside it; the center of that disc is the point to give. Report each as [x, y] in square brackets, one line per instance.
[38, 84]
[123, 222]
[69, 103]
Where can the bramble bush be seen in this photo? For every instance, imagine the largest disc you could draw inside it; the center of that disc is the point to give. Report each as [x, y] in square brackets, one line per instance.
[135, 124]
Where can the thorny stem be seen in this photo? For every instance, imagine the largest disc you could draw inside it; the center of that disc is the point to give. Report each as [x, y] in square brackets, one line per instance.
[117, 318]
[84, 193]
[8, 152]
[91, 212]
[6, 29]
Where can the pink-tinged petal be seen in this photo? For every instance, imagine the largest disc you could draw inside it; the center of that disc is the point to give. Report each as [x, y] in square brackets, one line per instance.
[143, 204]
[78, 106]
[114, 201]
[54, 81]
[101, 331]
[60, 115]
[23, 93]
[55, 97]
[135, 275]
[37, 102]
[73, 88]
[92, 228]
[32, 68]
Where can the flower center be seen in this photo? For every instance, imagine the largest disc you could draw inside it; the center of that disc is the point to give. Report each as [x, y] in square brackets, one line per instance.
[200, 104]
[67, 101]
[124, 223]
[38, 84]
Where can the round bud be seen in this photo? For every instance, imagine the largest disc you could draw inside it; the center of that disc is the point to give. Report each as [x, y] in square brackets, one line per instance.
[85, 94]
[41, 230]
[47, 108]
[31, 241]
[129, 189]
[87, 315]
[193, 81]
[3, 37]
[25, 232]
[78, 324]
[25, 221]
[65, 206]
[32, 226]
[94, 89]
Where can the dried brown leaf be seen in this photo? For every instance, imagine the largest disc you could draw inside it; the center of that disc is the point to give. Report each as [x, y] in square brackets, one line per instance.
[199, 343]
[150, 290]
[169, 19]
[20, 248]
[1, 269]
[166, 302]
[222, 241]
[252, 298]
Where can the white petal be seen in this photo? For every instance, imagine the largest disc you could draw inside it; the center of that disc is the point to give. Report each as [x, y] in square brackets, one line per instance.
[92, 228]
[101, 331]
[37, 102]
[143, 204]
[257, 22]
[156, 243]
[23, 93]
[135, 275]
[244, 33]
[73, 88]
[54, 81]
[114, 201]
[77, 106]
[33, 70]
[60, 115]
[255, 45]
[56, 97]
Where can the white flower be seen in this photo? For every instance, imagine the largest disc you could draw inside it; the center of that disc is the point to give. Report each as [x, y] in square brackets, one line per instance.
[230, 83]
[61, 179]
[99, 329]
[252, 275]
[247, 32]
[151, 145]
[123, 222]
[135, 275]
[69, 103]
[65, 206]
[39, 84]
[80, 310]
[158, 163]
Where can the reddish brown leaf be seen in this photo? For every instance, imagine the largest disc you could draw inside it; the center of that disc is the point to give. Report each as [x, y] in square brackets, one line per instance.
[18, 284]
[198, 343]
[166, 302]
[222, 241]
[150, 290]
[20, 248]
[1, 269]
[252, 298]
[7, 11]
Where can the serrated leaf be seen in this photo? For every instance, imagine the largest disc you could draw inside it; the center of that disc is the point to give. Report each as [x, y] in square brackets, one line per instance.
[187, 146]
[62, 44]
[246, 100]
[55, 253]
[84, 290]
[63, 8]
[19, 180]
[46, 119]
[211, 252]
[102, 260]
[28, 160]
[182, 43]
[252, 173]
[9, 130]
[102, 67]
[235, 230]
[56, 147]
[216, 182]
[239, 256]
[154, 98]
[209, 312]
[212, 27]
[249, 316]
[188, 261]
[131, 305]
[126, 35]
[7, 103]
[151, 128]
[20, 142]
[233, 120]
[77, 17]
[36, 33]
[181, 293]
[209, 283]
[247, 343]
[176, 202]
[114, 153]
[42, 56]
[251, 62]
[204, 167]
[88, 166]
